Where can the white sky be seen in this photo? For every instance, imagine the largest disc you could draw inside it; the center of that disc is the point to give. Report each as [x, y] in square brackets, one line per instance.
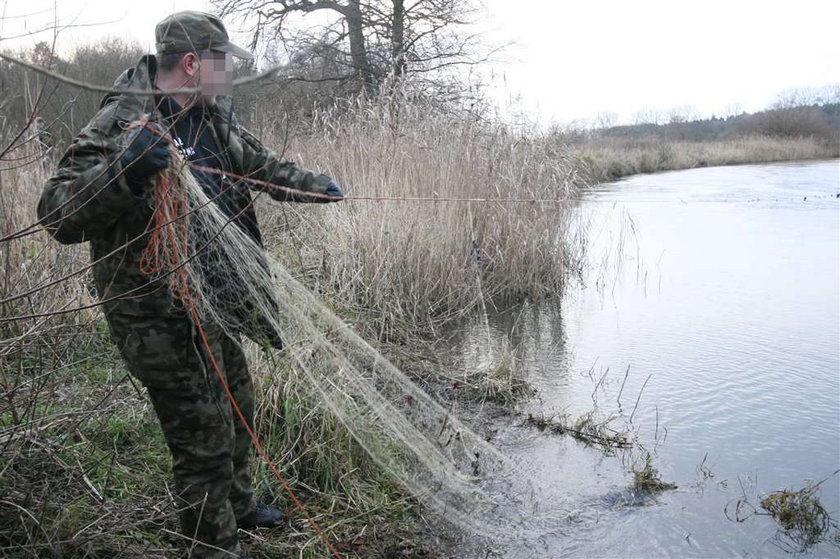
[570, 60]
[576, 59]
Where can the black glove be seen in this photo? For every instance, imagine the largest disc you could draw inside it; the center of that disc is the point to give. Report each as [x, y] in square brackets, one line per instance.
[146, 154]
[333, 191]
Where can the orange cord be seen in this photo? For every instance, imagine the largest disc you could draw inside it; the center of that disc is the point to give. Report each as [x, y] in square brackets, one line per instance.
[164, 252]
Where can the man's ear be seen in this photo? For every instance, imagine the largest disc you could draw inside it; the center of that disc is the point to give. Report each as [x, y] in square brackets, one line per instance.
[190, 64]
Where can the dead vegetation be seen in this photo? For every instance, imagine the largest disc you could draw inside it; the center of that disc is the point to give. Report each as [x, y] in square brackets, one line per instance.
[647, 479]
[586, 428]
[801, 519]
[799, 514]
[608, 159]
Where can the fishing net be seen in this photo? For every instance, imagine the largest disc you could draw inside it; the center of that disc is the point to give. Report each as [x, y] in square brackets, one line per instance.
[212, 266]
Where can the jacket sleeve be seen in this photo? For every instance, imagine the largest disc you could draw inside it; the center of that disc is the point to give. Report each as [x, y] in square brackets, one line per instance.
[264, 165]
[88, 191]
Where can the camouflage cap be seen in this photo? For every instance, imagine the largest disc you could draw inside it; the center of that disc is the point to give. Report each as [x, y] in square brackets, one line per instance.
[191, 31]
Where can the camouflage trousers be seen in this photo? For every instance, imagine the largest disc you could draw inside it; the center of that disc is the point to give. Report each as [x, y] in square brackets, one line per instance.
[210, 447]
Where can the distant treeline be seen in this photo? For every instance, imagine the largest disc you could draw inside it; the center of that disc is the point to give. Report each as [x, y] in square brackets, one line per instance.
[57, 111]
[819, 121]
[298, 90]
[60, 110]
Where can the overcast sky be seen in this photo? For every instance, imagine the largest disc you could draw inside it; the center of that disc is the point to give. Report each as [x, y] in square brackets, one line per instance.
[571, 60]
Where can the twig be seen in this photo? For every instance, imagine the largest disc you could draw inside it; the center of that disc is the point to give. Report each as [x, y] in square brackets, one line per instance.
[639, 397]
[626, 373]
[148, 92]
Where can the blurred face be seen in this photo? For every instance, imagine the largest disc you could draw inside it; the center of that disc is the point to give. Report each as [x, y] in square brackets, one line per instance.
[215, 75]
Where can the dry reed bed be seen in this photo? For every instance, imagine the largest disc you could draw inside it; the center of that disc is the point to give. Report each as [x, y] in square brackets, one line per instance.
[608, 158]
[409, 264]
[84, 467]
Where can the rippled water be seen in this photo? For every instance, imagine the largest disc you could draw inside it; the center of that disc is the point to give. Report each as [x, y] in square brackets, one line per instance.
[719, 289]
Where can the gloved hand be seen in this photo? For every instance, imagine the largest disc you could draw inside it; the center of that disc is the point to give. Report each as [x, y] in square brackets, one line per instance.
[146, 154]
[333, 191]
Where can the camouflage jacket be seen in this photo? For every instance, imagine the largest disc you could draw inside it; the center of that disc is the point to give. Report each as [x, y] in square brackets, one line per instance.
[88, 199]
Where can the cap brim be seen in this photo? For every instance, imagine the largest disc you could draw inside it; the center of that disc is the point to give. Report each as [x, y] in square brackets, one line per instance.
[236, 51]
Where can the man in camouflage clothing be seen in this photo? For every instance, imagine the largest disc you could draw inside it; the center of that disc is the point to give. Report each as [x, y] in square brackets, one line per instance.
[101, 193]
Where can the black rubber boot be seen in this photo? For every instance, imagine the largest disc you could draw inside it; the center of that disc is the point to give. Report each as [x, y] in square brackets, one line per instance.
[263, 516]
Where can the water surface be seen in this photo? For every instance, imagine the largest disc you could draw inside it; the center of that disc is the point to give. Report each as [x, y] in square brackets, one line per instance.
[719, 289]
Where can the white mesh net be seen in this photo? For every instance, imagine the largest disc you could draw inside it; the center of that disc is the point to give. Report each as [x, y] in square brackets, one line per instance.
[418, 442]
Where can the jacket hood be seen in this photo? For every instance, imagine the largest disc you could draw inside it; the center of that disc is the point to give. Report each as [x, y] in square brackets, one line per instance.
[142, 77]
[139, 77]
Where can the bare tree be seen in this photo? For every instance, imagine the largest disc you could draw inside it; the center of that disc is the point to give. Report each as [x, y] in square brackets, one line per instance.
[365, 42]
[807, 96]
[648, 115]
[49, 108]
[682, 114]
[605, 120]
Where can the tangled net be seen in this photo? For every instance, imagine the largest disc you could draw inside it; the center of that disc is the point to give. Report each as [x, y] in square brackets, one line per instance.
[215, 268]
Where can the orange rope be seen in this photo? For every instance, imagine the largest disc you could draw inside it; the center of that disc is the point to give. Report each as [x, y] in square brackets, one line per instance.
[260, 449]
[279, 188]
[166, 250]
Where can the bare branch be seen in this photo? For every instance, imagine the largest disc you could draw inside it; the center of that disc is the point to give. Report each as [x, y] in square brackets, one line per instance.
[102, 89]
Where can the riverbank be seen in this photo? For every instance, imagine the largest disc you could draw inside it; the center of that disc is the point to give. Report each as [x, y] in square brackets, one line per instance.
[608, 159]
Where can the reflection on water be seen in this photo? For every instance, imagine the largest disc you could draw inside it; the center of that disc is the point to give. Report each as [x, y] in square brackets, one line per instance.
[719, 288]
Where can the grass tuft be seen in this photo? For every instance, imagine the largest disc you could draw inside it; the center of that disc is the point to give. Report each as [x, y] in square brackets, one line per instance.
[647, 479]
[586, 428]
[800, 515]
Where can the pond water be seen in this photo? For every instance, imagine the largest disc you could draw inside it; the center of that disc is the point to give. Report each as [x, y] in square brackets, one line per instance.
[708, 322]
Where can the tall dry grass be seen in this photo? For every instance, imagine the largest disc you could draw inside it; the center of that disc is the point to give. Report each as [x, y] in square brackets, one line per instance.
[85, 470]
[607, 159]
[407, 265]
